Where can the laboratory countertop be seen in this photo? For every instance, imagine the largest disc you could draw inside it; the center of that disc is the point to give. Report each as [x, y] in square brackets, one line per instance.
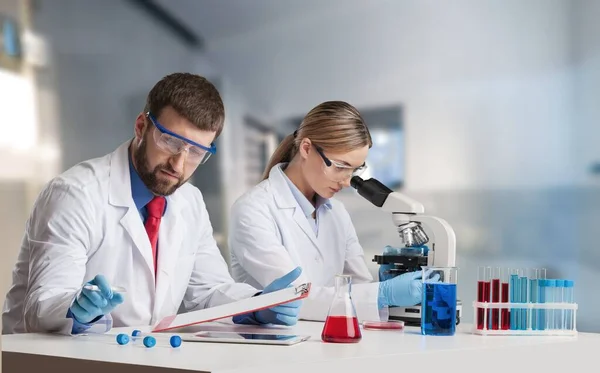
[376, 352]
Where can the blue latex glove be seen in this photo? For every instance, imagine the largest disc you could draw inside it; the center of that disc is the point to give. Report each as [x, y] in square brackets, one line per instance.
[283, 314]
[90, 304]
[404, 290]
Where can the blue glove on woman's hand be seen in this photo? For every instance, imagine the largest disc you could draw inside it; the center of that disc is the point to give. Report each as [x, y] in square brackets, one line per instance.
[404, 290]
[283, 314]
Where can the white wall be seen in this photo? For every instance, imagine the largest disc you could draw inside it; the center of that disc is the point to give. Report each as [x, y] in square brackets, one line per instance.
[586, 63]
[107, 56]
[474, 76]
[223, 180]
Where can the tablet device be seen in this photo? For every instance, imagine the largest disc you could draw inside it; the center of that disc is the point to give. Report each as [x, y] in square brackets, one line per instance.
[247, 338]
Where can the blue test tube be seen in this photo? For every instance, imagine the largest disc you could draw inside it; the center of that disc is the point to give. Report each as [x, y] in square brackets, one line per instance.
[527, 274]
[568, 298]
[523, 298]
[550, 290]
[559, 317]
[541, 325]
[541, 321]
[514, 298]
[533, 298]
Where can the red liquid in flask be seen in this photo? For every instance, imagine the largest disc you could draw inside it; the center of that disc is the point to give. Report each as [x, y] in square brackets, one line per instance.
[505, 324]
[341, 329]
[483, 295]
[495, 299]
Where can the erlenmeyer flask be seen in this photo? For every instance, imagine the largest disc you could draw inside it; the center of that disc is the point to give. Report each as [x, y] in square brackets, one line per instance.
[341, 325]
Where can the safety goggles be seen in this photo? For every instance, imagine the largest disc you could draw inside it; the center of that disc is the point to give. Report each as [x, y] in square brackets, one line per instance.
[174, 144]
[336, 171]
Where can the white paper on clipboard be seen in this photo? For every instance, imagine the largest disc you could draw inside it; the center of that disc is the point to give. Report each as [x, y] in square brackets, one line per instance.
[240, 307]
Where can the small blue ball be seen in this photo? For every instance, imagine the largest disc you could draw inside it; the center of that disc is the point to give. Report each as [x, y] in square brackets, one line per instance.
[136, 332]
[175, 341]
[149, 341]
[122, 339]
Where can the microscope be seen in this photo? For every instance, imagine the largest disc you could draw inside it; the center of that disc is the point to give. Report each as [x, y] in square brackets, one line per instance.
[415, 230]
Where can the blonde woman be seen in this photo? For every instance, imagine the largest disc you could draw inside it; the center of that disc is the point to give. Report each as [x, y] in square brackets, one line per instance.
[290, 219]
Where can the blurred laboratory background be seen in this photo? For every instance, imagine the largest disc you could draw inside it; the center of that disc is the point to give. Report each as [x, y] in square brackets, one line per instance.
[486, 111]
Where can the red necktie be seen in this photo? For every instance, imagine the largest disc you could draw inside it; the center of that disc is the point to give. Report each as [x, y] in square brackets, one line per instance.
[155, 210]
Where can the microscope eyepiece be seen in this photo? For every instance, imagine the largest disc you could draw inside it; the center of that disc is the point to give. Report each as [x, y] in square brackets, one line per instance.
[372, 190]
[356, 182]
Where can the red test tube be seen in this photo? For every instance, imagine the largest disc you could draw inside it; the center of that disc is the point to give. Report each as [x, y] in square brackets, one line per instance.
[495, 320]
[504, 312]
[483, 295]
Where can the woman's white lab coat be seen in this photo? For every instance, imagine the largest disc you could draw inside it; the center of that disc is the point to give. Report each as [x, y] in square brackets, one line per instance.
[85, 223]
[269, 236]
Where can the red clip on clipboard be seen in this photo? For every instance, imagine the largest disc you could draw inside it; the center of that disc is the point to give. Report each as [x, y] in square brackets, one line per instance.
[240, 307]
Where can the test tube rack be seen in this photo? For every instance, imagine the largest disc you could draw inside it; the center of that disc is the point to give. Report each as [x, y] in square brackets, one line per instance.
[522, 301]
[544, 319]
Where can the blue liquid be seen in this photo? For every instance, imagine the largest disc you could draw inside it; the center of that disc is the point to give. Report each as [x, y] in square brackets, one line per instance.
[515, 296]
[533, 291]
[541, 319]
[438, 309]
[524, 313]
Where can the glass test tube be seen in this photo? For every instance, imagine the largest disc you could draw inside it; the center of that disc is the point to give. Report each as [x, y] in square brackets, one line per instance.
[533, 297]
[541, 319]
[495, 291]
[121, 339]
[504, 312]
[515, 296]
[541, 298]
[568, 297]
[550, 287]
[483, 295]
[559, 315]
[524, 284]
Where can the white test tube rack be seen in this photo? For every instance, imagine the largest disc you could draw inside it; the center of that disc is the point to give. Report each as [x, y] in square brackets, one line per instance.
[568, 325]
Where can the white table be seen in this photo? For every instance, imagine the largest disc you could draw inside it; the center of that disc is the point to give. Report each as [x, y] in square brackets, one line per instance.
[378, 352]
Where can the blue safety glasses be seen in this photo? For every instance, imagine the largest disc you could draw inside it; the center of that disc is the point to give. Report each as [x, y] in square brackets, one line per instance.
[174, 144]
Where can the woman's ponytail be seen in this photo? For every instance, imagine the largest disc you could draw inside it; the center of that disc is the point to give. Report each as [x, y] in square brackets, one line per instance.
[283, 153]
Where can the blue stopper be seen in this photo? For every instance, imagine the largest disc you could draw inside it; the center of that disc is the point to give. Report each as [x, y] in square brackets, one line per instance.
[136, 332]
[149, 341]
[122, 339]
[560, 283]
[175, 341]
[569, 283]
[551, 283]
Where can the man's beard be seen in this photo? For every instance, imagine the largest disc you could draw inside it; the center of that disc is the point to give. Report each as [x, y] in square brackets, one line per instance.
[157, 186]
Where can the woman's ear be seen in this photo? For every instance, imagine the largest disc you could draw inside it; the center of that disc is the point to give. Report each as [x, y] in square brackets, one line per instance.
[304, 148]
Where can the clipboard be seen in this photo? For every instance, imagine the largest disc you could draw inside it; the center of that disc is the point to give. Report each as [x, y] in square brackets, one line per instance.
[240, 307]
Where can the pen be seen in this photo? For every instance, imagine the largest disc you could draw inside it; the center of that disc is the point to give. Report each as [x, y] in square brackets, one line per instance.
[115, 289]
